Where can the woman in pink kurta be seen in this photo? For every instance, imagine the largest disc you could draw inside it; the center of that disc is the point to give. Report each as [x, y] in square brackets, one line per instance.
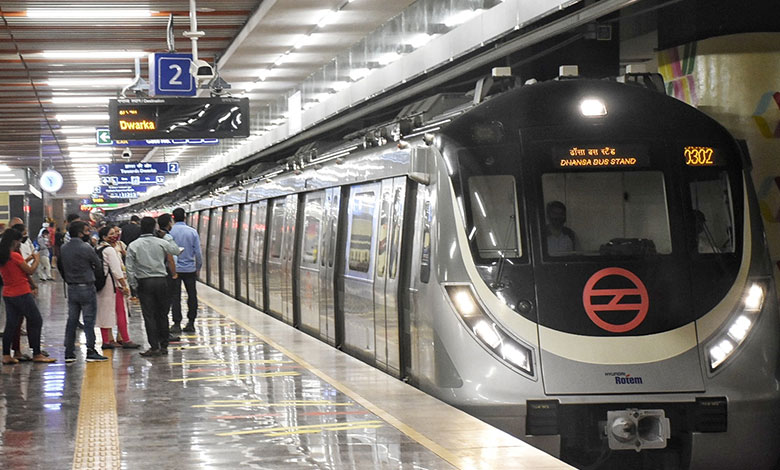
[110, 299]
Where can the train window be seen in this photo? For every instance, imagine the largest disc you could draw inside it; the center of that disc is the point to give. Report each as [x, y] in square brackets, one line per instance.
[381, 248]
[606, 214]
[494, 213]
[713, 214]
[395, 236]
[277, 229]
[311, 229]
[362, 231]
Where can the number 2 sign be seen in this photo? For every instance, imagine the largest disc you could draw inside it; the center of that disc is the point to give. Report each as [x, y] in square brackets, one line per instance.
[169, 75]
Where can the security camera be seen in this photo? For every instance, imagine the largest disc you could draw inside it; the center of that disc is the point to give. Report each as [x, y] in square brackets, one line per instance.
[201, 70]
[127, 153]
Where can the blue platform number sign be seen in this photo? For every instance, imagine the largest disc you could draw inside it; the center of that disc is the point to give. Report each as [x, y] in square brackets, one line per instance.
[169, 75]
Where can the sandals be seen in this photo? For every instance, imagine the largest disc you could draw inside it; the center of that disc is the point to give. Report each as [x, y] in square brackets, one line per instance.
[41, 358]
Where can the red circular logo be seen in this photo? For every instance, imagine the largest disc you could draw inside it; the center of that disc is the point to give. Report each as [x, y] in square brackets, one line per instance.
[616, 296]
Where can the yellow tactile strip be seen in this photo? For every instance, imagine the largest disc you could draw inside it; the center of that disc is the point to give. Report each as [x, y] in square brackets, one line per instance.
[97, 432]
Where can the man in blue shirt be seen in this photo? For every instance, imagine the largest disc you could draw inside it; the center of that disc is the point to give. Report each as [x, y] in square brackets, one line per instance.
[188, 264]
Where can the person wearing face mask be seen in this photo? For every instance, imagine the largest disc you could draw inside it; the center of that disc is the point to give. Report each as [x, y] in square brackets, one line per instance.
[44, 243]
[27, 249]
[79, 260]
[111, 302]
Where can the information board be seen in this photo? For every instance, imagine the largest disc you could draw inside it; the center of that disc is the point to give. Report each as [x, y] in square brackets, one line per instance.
[138, 169]
[178, 118]
[114, 180]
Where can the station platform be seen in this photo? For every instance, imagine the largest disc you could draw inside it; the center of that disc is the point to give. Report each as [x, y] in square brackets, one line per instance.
[245, 390]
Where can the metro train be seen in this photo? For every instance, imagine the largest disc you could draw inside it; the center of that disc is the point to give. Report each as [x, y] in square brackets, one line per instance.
[578, 262]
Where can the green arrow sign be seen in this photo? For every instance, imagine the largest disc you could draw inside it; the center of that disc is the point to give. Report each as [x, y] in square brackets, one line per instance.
[103, 137]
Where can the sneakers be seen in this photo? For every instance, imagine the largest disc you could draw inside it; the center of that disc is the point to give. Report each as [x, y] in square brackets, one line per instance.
[94, 356]
[190, 328]
[176, 329]
[70, 357]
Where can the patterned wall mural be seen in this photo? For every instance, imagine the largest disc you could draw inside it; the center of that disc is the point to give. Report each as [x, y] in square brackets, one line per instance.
[736, 80]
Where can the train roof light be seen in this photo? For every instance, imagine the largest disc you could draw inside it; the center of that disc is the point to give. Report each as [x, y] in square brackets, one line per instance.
[568, 71]
[593, 107]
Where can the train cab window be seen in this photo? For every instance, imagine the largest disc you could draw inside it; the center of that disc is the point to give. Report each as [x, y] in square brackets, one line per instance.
[495, 216]
[713, 216]
[605, 214]
[361, 231]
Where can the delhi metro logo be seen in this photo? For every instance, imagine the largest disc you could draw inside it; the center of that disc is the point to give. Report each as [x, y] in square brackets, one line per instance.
[593, 299]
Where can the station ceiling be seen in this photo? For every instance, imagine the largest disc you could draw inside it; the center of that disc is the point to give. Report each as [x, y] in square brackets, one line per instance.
[61, 61]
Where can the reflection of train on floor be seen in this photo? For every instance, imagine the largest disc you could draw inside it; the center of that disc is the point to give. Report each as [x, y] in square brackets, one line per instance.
[578, 262]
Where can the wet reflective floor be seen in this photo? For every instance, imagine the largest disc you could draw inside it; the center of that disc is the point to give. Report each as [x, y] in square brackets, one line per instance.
[226, 396]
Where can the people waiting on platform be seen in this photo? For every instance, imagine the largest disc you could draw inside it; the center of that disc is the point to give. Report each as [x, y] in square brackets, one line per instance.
[111, 298]
[188, 264]
[18, 297]
[146, 271]
[78, 261]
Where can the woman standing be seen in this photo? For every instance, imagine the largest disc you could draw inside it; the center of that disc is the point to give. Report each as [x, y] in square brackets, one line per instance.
[44, 243]
[18, 297]
[111, 303]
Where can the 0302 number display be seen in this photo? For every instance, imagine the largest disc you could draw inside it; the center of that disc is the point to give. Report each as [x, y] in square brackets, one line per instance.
[699, 156]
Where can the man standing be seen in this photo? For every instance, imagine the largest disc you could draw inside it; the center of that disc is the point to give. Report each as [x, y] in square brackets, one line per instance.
[188, 264]
[78, 261]
[146, 258]
[165, 222]
[131, 231]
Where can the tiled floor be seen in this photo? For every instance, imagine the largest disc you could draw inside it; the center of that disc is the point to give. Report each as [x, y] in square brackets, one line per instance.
[226, 396]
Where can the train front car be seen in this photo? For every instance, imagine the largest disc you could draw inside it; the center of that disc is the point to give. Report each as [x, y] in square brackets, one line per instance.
[601, 247]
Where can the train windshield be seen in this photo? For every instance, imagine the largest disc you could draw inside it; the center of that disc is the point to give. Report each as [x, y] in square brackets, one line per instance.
[610, 213]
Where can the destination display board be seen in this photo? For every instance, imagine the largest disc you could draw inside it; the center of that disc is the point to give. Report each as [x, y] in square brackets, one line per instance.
[697, 155]
[601, 156]
[103, 138]
[178, 118]
[138, 169]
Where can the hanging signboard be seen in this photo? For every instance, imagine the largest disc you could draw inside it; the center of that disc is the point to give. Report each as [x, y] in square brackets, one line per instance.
[178, 118]
[138, 169]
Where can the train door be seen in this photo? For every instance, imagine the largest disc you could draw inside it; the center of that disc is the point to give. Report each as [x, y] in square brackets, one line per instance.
[386, 275]
[203, 234]
[308, 288]
[257, 236]
[327, 269]
[358, 274]
[242, 267]
[280, 257]
[227, 271]
[215, 232]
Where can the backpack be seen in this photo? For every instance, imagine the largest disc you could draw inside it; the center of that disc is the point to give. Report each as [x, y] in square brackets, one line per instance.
[100, 274]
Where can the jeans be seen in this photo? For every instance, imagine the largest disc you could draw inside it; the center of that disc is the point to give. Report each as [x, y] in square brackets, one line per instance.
[16, 308]
[82, 299]
[153, 294]
[189, 280]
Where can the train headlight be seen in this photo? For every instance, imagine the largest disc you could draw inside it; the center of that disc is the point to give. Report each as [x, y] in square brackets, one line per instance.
[502, 345]
[593, 107]
[724, 344]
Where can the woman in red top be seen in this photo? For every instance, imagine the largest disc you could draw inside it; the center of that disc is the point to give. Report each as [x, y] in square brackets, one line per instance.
[18, 297]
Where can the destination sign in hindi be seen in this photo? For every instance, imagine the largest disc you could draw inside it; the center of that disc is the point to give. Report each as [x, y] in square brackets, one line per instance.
[113, 180]
[178, 118]
[601, 156]
[138, 169]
